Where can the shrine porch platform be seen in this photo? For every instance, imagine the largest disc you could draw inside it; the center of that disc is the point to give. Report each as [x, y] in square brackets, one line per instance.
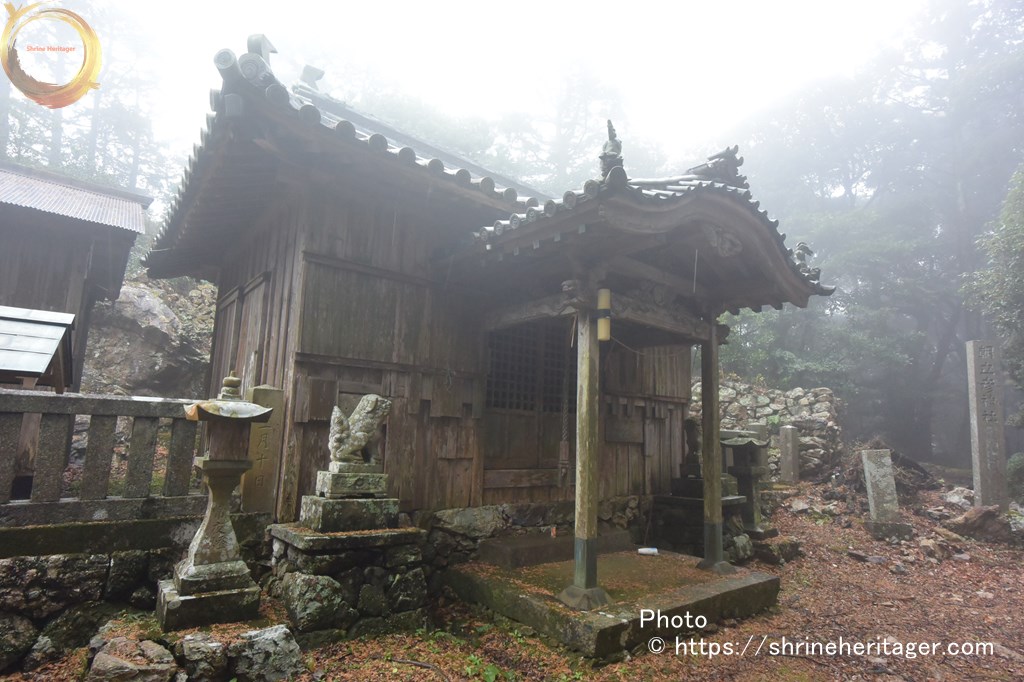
[668, 583]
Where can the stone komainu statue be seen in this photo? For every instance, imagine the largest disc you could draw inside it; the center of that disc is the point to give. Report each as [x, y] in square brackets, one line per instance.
[356, 439]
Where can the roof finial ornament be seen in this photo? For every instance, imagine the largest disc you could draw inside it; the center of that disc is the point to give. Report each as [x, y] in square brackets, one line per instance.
[802, 254]
[260, 44]
[310, 75]
[611, 153]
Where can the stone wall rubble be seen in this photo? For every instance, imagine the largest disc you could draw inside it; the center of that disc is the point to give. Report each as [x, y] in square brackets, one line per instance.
[813, 411]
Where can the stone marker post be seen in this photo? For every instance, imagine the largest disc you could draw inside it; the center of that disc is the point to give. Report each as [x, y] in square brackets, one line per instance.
[212, 584]
[259, 484]
[789, 454]
[882, 501]
[988, 444]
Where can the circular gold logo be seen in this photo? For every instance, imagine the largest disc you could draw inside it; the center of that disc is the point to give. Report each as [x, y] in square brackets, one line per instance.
[50, 95]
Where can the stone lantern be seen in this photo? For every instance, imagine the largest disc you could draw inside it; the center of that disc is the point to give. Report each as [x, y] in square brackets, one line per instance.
[212, 584]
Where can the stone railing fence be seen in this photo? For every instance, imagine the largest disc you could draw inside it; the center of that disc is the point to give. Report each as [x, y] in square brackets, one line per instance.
[97, 458]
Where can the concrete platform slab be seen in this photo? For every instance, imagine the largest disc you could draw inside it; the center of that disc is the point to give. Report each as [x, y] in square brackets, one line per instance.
[651, 596]
[540, 548]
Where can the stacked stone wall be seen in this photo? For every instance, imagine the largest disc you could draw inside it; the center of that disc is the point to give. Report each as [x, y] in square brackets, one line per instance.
[373, 585]
[813, 411]
[52, 603]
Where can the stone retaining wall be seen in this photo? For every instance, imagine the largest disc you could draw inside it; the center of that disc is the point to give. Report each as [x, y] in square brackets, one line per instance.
[55, 601]
[814, 412]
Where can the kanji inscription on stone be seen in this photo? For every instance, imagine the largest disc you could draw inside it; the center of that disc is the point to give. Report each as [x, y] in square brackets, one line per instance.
[988, 445]
[259, 485]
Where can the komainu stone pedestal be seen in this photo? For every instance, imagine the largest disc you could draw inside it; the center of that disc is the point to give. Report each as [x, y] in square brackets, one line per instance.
[343, 480]
[212, 584]
[346, 569]
[327, 516]
[349, 497]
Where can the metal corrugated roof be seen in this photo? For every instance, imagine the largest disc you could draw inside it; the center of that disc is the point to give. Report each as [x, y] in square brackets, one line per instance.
[31, 189]
[30, 341]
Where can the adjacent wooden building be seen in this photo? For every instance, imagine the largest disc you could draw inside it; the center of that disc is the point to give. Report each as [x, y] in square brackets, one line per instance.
[351, 258]
[64, 245]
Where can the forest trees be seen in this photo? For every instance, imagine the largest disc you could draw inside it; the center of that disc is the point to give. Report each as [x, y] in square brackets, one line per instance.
[106, 137]
[892, 176]
[999, 286]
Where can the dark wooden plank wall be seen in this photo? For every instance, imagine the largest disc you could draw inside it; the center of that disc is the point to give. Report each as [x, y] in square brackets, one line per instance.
[255, 294]
[374, 320]
[266, 269]
[350, 307]
[645, 395]
[45, 268]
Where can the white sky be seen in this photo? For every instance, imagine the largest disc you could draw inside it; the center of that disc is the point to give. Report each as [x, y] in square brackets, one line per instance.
[688, 71]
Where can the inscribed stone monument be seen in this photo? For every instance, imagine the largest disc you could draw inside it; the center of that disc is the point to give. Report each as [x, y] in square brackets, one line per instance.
[259, 485]
[988, 446]
[789, 454]
[882, 501]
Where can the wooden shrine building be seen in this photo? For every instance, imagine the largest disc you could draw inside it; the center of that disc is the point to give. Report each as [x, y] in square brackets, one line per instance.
[352, 259]
[64, 245]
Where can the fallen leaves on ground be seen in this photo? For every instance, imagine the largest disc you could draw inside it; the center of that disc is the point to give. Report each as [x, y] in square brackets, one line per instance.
[827, 595]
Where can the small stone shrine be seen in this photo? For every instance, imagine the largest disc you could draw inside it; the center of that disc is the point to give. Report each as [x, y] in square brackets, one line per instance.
[346, 565]
[749, 453]
[743, 471]
[212, 584]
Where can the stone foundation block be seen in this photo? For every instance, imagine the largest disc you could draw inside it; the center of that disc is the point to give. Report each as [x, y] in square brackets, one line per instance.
[330, 516]
[177, 612]
[340, 485]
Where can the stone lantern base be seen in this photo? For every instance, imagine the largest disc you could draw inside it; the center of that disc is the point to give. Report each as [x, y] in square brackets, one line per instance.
[176, 611]
[212, 584]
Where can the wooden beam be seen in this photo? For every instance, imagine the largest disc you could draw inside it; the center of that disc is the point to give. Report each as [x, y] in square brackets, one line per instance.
[520, 478]
[556, 305]
[631, 267]
[650, 315]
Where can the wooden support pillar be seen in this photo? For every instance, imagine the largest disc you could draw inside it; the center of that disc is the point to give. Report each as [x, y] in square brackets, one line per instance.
[711, 455]
[584, 594]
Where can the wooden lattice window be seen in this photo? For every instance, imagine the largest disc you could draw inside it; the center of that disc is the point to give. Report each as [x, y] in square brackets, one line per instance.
[528, 366]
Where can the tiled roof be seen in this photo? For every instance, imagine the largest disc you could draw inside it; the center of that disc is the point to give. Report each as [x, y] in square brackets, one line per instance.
[251, 86]
[249, 83]
[334, 112]
[719, 175]
[66, 197]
